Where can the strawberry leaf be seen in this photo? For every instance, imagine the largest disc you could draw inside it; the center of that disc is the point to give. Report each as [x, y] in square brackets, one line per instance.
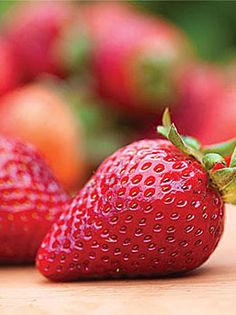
[169, 131]
[211, 159]
[233, 159]
[224, 148]
[166, 120]
[225, 180]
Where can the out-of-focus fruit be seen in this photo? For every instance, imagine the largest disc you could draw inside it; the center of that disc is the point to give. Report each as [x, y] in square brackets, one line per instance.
[135, 58]
[103, 136]
[229, 70]
[41, 116]
[30, 201]
[32, 30]
[221, 124]
[199, 89]
[150, 209]
[9, 71]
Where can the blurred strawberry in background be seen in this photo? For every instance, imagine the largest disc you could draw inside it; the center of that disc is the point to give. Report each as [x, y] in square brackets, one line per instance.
[207, 107]
[134, 58]
[32, 29]
[200, 87]
[9, 72]
[101, 129]
[222, 123]
[39, 115]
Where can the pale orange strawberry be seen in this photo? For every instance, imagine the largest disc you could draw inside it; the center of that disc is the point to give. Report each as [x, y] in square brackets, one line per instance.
[40, 116]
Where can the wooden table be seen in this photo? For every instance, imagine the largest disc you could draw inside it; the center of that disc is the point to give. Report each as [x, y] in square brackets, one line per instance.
[209, 290]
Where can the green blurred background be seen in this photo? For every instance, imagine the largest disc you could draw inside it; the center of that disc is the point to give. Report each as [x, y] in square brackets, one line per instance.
[210, 24]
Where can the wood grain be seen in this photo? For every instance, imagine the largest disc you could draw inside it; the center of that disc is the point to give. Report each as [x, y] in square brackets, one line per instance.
[209, 290]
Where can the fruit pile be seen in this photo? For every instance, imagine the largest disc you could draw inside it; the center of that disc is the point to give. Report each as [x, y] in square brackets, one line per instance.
[78, 82]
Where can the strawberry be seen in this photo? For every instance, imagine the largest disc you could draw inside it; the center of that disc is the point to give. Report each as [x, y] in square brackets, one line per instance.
[33, 30]
[221, 124]
[206, 105]
[9, 72]
[155, 207]
[200, 86]
[42, 117]
[134, 58]
[30, 201]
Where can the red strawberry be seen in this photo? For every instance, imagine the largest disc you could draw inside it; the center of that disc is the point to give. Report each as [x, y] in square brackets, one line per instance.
[206, 109]
[33, 30]
[30, 201]
[150, 209]
[200, 86]
[221, 124]
[194, 112]
[135, 58]
[9, 72]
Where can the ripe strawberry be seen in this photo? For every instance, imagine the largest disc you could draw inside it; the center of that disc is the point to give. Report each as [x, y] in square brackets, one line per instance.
[41, 117]
[135, 58]
[221, 124]
[230, 71]
[200, 86]
[33, 29]
[30, 201]
[9, 72]
[206, 105]
[152, 208]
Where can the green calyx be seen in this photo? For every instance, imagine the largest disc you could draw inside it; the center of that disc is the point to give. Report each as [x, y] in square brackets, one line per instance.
[75, 49]
[154, 78]
[212, 158]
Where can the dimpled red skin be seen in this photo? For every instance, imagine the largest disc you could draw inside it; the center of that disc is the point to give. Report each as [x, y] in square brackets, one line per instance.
[148, 210]
[30, 201]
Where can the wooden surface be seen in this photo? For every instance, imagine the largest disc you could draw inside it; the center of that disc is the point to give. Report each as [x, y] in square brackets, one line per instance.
[209, 290]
